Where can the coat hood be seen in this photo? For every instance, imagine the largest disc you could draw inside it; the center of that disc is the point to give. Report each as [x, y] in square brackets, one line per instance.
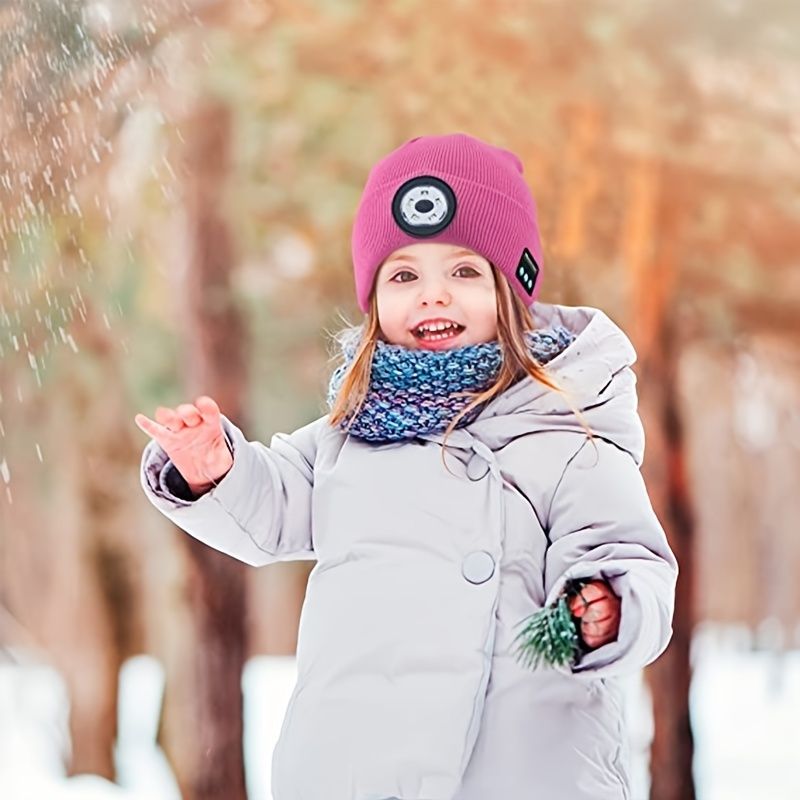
[595, 372]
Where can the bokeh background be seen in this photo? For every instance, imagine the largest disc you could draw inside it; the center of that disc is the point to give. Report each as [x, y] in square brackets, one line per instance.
[177, 186]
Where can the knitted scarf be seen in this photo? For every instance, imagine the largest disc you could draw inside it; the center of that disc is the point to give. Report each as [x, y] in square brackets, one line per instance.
[411, 391]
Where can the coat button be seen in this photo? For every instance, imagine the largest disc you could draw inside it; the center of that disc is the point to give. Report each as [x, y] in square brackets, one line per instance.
[477, 467]
[478, 566]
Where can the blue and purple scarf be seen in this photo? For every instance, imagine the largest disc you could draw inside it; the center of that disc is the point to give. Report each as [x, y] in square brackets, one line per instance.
[412, 391]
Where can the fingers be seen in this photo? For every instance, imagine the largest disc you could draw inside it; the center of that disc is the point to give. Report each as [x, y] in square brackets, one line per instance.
[599, 626]
[598, 641]
[169, 418]
[594, 592]
[595, 611]
[600, 609]
[189, 414]
[152, 429]
[207, 406]
[600, 632]
[205, 409]
[600, 636]
[578, 606]
[600, 623]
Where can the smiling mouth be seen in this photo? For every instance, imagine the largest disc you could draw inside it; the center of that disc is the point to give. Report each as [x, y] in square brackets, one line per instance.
[438, 332]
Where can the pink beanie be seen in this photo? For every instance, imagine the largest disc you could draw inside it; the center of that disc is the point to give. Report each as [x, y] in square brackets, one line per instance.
[453, 189]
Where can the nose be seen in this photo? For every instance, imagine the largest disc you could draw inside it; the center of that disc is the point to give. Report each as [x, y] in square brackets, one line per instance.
[434, 292]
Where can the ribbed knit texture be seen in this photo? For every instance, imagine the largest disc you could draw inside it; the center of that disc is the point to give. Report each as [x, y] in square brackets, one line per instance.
[412, 391]
[495, 210]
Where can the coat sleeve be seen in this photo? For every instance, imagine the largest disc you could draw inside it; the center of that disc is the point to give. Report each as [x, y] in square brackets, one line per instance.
[260, 512]
[601, 525]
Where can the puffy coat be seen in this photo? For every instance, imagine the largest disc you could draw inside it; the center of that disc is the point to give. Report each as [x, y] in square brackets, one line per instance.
[407, 686]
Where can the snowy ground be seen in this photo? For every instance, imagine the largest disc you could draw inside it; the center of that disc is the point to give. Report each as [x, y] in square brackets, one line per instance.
[745, 709]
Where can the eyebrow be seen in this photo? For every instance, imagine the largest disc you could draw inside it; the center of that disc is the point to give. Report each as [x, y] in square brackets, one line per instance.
[454, 254]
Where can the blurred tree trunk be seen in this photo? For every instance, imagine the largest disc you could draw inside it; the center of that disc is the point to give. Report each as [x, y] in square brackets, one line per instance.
[650, 236]
[669, 677]
[71, 565]
[96, 620]
[204, 736]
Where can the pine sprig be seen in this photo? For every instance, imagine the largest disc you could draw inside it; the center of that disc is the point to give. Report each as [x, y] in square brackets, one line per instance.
[551, 635]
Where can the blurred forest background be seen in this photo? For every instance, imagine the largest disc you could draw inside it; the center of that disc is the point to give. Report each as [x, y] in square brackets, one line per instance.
[177, 186]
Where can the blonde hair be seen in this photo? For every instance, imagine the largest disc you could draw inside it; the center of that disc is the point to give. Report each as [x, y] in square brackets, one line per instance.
[513, 319]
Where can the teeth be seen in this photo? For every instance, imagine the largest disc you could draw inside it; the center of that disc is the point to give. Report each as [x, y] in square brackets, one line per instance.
[437, 326]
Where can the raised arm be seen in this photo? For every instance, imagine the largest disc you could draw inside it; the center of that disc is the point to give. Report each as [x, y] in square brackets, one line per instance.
[260, 510]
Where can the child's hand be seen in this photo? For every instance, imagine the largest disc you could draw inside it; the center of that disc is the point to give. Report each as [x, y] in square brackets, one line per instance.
[597, 607]
[193, 438]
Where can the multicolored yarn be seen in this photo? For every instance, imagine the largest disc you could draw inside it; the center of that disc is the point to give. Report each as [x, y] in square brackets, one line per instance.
[412, 391]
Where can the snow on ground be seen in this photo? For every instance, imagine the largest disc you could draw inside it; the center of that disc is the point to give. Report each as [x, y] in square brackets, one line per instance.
[745, 707]
[267, 683]
[34, 736]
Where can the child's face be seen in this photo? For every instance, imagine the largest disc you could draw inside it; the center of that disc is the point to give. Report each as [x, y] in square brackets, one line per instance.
[436, 282]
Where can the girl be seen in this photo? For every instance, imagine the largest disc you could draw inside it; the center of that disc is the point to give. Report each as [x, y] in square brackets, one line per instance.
[481, 451]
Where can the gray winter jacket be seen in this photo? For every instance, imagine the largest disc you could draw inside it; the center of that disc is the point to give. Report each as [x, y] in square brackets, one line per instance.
[407, 685]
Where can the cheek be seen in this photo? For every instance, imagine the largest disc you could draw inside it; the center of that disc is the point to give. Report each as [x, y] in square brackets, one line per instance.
[489, 319]
[485, 308]
[390, 312]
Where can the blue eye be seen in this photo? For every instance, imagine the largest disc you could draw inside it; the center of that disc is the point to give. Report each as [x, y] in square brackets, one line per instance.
[402, 272]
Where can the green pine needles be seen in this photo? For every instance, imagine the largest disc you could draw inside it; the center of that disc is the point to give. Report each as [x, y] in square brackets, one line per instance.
[550, 635]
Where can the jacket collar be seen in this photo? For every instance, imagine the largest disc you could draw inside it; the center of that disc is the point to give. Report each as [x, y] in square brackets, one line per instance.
[596, 372]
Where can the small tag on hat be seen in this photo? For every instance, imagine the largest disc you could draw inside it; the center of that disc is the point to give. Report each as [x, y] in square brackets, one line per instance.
[527, 271]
